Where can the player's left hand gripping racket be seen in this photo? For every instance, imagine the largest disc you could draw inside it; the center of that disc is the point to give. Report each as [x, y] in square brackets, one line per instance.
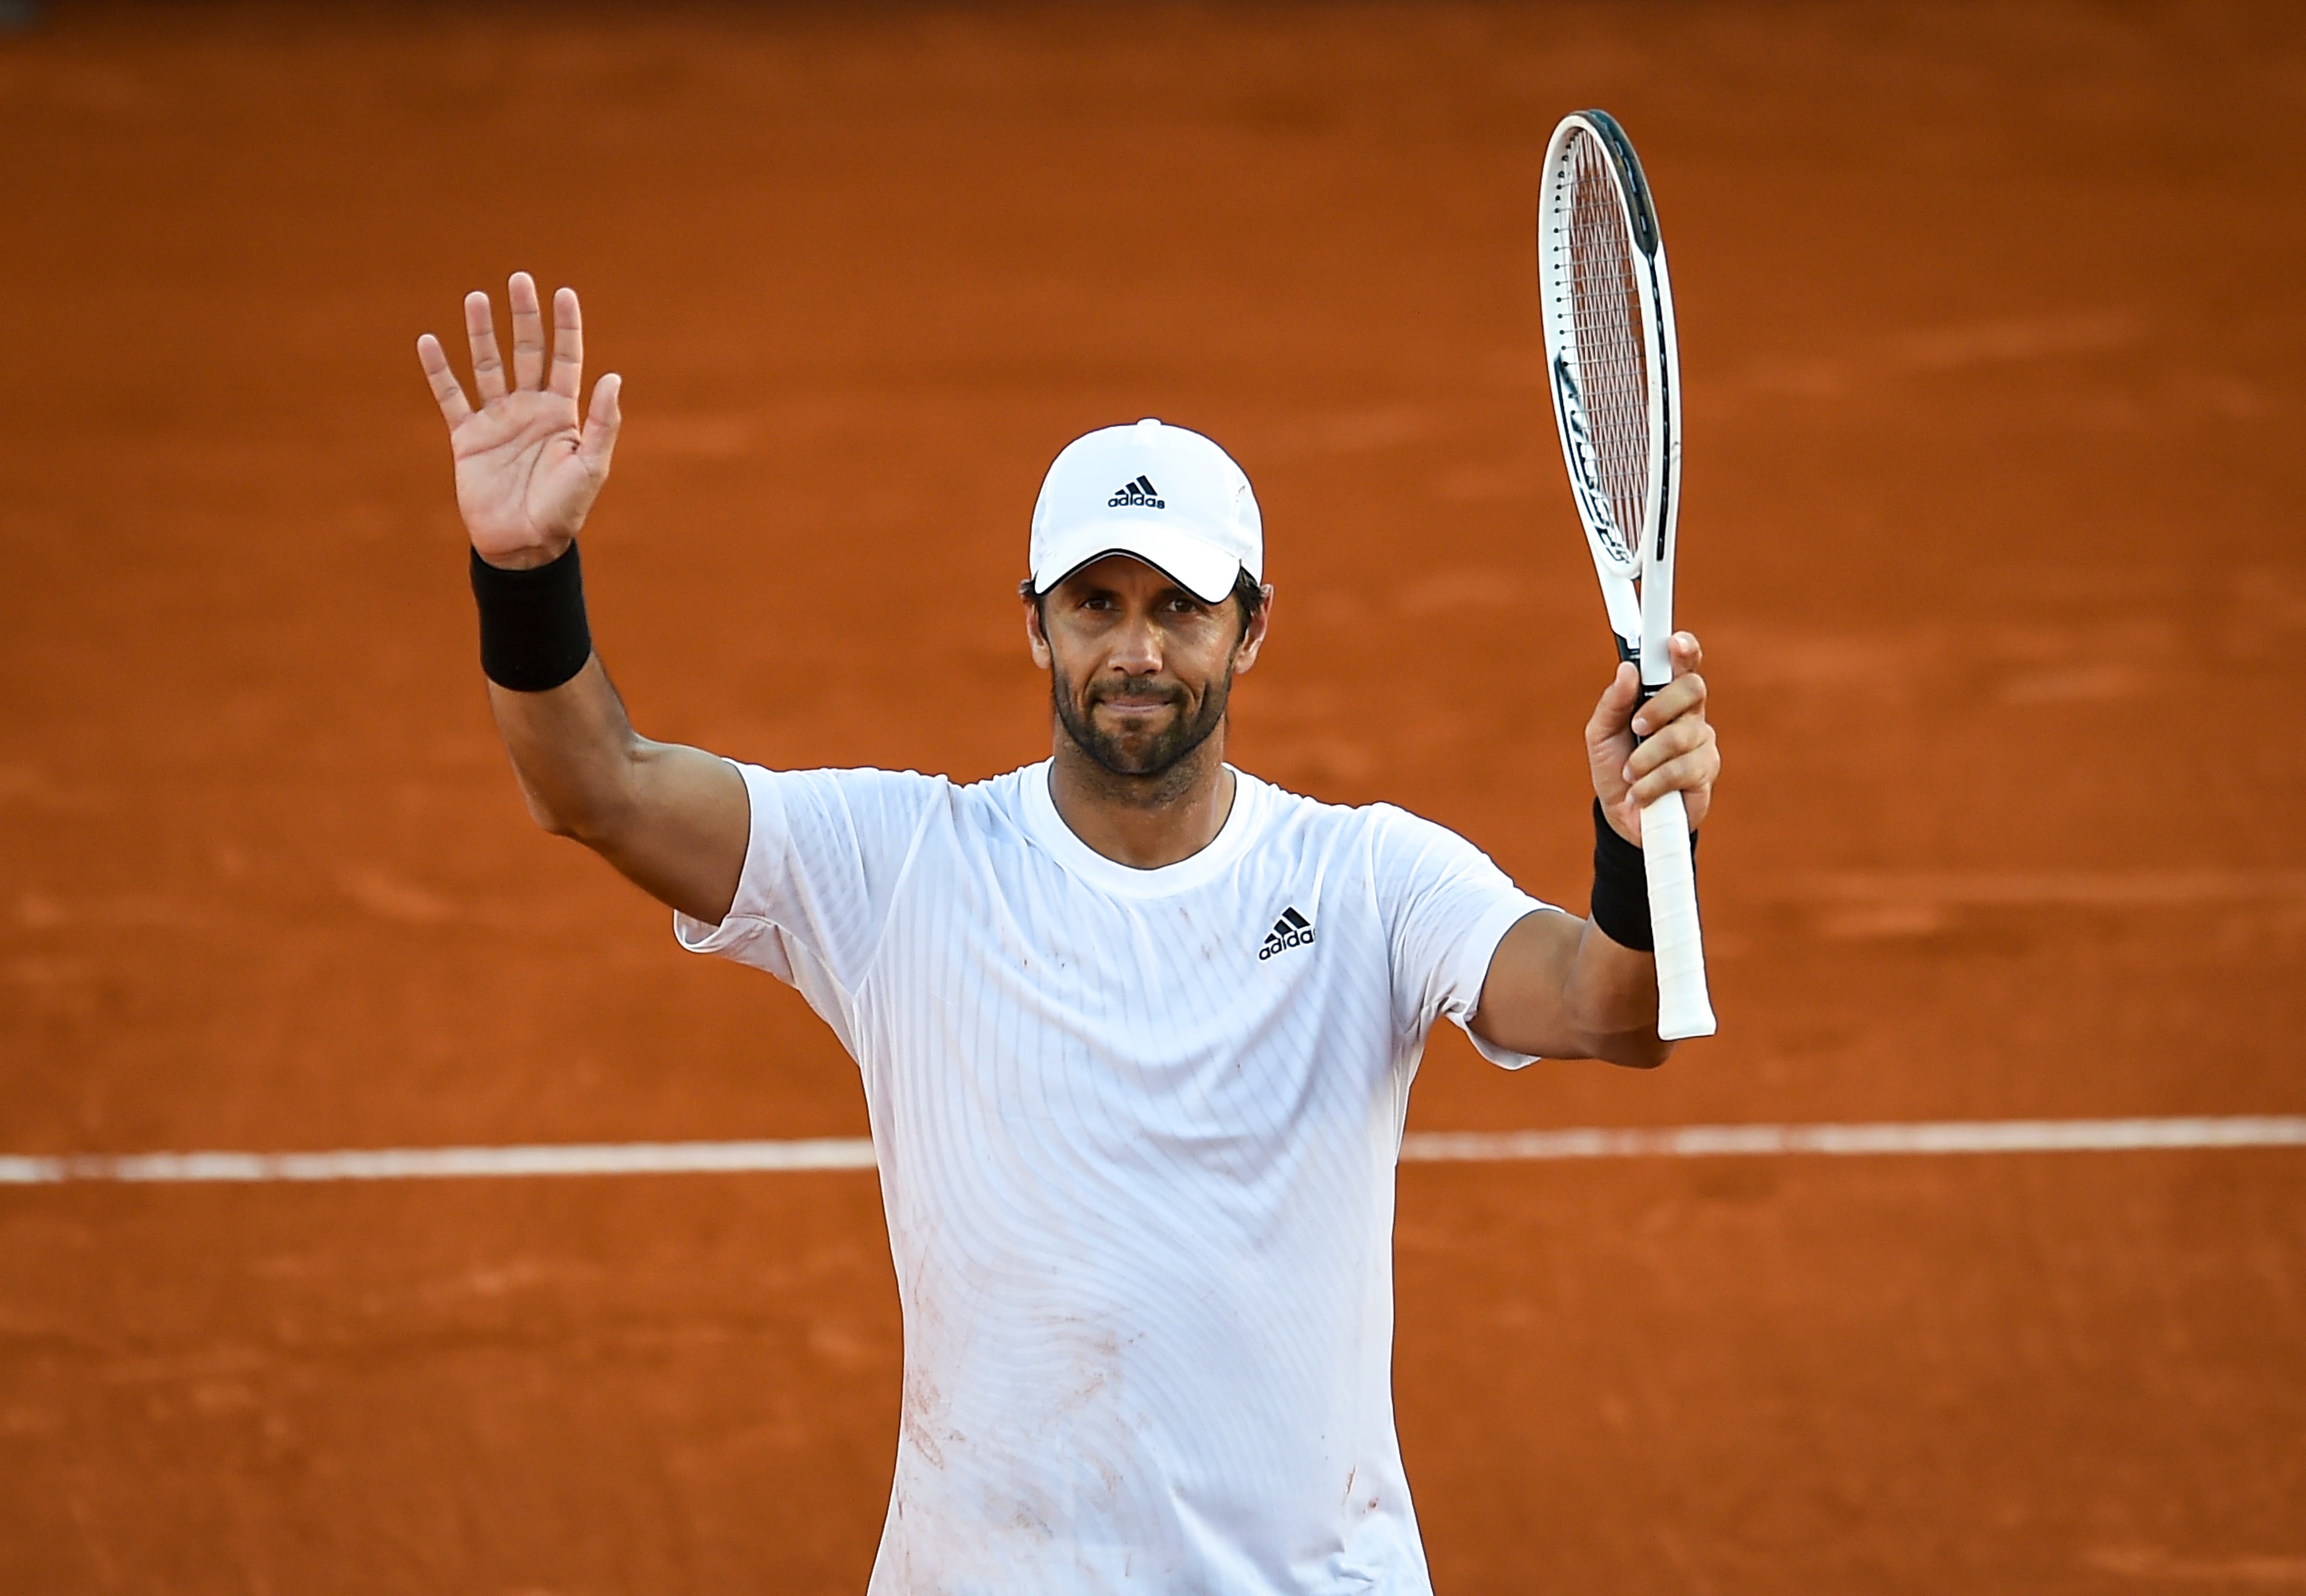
[1616, 394]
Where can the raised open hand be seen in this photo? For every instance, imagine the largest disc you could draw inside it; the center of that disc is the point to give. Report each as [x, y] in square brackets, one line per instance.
[526, 474]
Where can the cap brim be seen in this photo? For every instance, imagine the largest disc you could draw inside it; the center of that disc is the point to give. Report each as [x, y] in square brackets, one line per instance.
[1201, 569]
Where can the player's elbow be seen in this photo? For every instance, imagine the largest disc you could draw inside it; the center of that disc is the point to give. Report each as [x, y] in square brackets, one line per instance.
[554, 817]
[598, 823]
[595, 810]
[540, 809]
[600, 826]
[1634, 1050]
[547, 819]
[553, 824]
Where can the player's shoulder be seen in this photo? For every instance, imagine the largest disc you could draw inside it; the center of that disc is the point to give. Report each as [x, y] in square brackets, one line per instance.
[990, 806]
[994, 806]
[1376, 827]
[864, 800]
[855, 784]
[1400, 857]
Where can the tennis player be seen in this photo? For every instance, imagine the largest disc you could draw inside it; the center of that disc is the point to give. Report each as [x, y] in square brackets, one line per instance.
[1136, 1028]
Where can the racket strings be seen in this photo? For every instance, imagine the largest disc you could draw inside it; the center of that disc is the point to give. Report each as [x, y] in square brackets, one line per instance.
[1605, 316]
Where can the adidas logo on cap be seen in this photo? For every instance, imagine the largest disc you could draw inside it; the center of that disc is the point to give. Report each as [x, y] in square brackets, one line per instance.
[1140, 493]
[1291, 930]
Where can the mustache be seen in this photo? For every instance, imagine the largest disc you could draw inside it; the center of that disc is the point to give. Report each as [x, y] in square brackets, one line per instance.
[1135, 686]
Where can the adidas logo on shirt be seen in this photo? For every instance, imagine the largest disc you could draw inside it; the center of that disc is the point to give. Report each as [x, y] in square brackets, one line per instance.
[1290, 930]
[1140, 492]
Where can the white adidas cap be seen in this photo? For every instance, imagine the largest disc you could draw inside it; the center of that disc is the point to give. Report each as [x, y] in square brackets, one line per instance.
[1167, 495]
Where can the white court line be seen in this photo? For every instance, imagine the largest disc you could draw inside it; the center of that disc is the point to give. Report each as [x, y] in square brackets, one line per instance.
[424, 1164]
[1426, 1147]
[1941, 1136]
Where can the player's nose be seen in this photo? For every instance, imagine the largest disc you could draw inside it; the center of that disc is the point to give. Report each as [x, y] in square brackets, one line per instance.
[1137, 648]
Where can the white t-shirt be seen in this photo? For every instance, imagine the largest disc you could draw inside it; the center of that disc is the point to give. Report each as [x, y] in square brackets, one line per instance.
[1137, 1131]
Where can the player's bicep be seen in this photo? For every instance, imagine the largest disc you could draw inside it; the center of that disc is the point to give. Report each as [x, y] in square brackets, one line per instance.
[1523, 1007]
[686, 829]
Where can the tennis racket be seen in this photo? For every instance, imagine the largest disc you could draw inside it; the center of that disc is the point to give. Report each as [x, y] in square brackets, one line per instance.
[1616, 394]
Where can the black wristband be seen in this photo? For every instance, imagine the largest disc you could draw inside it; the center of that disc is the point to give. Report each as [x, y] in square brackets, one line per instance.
[533, 632]
[1621, 887]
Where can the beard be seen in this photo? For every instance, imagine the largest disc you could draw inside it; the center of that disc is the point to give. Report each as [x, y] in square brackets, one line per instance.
[1147, 752]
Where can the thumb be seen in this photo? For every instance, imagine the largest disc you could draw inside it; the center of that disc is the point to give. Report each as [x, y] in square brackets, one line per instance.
[1615, 712]
[599, 441]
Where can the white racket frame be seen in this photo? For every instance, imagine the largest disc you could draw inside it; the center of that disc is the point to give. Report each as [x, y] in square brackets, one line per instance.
[1642, 618]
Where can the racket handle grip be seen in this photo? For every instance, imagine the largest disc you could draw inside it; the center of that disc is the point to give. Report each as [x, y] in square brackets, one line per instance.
[1684, 1010]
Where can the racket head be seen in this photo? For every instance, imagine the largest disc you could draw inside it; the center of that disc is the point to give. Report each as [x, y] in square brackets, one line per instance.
[1613, 365]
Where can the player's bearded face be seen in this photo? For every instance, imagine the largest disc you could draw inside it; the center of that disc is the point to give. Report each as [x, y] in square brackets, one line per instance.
[1139, 726]
[1139, 669]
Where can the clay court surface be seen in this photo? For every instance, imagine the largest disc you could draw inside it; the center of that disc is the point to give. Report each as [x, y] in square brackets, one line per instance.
[1992, 334]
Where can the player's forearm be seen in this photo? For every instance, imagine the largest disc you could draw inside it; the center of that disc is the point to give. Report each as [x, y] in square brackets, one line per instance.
[1609, 1000]
[1559, 987]
[675, 820]
[574, 752]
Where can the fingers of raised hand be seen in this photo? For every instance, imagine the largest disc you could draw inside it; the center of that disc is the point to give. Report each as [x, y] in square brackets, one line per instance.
[598, 439]
[1686, 771]
[450, 398]
[1682, 649]
[481, 333]
[1684, 757]
[527, 332]
[569, 347]
[1684, 696]
[1691, 775]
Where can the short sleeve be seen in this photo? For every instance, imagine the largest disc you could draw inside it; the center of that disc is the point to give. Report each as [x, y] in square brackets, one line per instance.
[827, 852]
[1446, 906]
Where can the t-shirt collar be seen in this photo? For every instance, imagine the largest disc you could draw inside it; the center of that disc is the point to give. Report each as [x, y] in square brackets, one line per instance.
[1048, 828]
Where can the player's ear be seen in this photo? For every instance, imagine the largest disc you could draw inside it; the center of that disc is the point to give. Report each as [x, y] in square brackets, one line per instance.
[1036, 638]
[1252, 636]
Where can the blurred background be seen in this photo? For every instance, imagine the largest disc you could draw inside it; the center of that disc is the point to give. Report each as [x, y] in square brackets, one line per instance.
[1991, 345]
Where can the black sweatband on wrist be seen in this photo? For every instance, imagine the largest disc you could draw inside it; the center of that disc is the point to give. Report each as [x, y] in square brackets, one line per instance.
[533, 632]
[1621, 887]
